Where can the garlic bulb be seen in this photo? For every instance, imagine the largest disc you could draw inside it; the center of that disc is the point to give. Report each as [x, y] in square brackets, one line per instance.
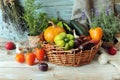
[17, 48]
[103, 58]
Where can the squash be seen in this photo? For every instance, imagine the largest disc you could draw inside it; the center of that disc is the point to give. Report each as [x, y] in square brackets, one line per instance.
[52, 31]
[96, 33]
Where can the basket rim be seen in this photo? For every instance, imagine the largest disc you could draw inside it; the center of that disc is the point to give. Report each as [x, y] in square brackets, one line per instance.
[76, 49]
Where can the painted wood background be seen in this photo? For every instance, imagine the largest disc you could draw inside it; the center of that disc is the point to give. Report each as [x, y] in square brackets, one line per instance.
[51, 7]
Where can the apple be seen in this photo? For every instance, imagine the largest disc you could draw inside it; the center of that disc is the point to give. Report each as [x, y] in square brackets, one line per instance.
[112, 50]
[10, 46]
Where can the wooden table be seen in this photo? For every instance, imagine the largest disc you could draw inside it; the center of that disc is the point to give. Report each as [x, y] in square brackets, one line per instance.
[11, 70]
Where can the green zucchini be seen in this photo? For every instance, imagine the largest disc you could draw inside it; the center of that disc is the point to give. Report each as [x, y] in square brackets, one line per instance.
[79, 28]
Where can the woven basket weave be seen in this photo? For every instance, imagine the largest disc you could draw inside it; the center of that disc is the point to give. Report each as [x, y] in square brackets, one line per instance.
[73, 57]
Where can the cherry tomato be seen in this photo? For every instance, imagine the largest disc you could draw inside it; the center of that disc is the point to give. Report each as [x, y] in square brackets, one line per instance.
[30, 58]
[10, 46]
[39, 54]
[112, 50]
[20, 57]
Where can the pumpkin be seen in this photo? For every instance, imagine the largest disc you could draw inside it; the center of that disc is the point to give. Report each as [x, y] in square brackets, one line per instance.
[96, 33]
[52, 31]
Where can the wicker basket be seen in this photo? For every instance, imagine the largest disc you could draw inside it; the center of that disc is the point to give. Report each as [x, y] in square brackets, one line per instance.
[73, 57]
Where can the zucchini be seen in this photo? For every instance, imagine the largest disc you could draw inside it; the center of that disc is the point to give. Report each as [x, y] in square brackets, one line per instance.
[79, 28]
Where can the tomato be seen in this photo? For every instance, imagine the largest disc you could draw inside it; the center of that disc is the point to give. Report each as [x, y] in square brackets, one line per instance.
[20, 57]
[10, 46]
[112, 50]
[30, 58]
[39, 54]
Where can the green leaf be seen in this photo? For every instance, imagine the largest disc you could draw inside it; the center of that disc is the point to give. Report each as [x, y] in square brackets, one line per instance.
[60, 24]
[67, 27]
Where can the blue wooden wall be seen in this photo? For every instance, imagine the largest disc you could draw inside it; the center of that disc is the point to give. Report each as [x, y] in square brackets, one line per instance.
[51, 7]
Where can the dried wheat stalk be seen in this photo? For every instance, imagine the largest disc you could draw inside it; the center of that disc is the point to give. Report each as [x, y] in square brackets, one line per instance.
[12, 13]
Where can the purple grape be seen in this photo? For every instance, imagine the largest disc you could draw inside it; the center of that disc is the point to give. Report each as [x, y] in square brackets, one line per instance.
[43, 66]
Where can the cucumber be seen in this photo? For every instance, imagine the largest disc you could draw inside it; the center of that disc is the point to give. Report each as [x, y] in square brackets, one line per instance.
[79, 28]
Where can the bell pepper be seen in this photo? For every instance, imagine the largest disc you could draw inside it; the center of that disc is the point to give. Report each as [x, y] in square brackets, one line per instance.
[64, 40]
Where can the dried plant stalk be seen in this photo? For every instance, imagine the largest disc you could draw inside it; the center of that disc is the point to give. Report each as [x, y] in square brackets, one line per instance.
[12, 13]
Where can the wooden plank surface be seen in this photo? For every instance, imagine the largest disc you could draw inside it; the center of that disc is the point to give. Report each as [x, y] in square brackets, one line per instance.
[12, 70]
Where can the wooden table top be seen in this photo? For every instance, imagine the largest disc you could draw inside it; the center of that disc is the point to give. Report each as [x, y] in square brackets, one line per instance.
[12, 70]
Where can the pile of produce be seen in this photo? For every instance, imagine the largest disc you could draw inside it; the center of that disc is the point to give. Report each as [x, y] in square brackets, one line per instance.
[62, 35]
[73, 36]
[36, 56]
[55, 32]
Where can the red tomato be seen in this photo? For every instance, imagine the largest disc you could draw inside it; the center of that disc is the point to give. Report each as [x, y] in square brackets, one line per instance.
[20, 57]
[30, 58]
[112, 50]
[10, 45]
[39, 54]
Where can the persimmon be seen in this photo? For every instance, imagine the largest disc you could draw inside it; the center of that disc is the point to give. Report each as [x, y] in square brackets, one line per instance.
[30, 58]
[20, 57]
[39, 54]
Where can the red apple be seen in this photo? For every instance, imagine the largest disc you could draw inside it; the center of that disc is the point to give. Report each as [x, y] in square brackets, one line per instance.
[10, 45]
[112, 50]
